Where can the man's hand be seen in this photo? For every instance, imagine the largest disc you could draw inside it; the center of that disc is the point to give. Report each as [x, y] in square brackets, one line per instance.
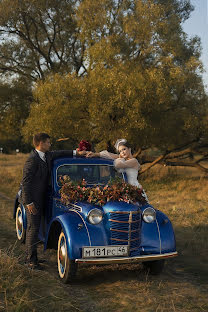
[32, 209]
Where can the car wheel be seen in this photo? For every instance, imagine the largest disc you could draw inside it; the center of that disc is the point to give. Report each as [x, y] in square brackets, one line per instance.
[67, 268]
[154, 267]
[21, 232]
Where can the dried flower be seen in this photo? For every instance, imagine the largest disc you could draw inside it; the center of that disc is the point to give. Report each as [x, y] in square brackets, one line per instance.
[116, 190]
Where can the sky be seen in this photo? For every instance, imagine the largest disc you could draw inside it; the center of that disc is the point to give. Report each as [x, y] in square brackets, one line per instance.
[197, 24]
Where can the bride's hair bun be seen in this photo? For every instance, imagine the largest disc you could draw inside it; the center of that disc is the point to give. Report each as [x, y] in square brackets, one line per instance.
[120, 142]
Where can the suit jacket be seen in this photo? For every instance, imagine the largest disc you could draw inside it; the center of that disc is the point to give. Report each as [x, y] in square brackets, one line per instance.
[36, 174]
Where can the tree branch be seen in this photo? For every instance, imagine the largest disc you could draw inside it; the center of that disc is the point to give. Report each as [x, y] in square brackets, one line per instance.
[179, 157]
[157, 160]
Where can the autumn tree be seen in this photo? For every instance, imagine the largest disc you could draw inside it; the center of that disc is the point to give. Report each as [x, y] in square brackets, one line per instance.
[60, 108]
[141, 76]
[15, 100]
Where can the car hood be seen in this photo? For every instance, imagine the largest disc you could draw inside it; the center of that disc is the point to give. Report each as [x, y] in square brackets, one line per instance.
[110, 206]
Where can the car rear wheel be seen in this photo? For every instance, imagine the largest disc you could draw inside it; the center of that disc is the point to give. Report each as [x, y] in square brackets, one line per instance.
[67, 268]
[21, 232]
[154, 267]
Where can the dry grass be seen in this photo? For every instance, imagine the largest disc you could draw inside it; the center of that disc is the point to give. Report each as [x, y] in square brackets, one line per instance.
[182, 287]
[13, 293]
[11, 172]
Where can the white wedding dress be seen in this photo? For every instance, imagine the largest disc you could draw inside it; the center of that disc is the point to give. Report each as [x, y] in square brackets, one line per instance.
[131, 173]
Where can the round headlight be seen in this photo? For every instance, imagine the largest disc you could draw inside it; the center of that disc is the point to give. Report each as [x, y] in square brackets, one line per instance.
[95, 216]
[149, 215]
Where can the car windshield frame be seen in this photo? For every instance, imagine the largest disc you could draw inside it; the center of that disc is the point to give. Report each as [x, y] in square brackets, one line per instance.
[118, 174]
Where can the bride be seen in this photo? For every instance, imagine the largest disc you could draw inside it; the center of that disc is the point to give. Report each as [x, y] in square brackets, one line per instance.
[123, 162]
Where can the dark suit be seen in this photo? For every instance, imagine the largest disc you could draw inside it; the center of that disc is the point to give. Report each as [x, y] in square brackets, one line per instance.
[34, 186]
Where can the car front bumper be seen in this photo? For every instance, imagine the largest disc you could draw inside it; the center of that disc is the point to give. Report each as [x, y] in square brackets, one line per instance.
[126, 259]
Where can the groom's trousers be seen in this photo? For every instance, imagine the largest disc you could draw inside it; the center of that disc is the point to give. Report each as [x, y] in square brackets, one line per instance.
[33, 226]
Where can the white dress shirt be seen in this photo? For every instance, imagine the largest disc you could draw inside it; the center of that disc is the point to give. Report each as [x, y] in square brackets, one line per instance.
[41, 154]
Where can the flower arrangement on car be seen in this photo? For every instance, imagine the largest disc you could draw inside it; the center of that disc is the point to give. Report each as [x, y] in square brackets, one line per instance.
[115, 190]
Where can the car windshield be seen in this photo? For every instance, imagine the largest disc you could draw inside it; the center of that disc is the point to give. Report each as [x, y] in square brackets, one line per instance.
[93, 174]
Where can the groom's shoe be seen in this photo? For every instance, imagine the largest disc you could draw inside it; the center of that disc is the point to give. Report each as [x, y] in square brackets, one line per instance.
[33, 265]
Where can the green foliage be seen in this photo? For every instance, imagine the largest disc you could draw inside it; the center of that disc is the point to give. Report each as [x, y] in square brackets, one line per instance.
[60, 108]
[15, 99]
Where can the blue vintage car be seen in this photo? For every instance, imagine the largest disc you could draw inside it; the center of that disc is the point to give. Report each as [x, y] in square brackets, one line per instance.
[117, 232]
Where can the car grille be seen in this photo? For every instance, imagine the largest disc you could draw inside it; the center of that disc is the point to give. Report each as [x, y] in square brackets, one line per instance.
[125, 228]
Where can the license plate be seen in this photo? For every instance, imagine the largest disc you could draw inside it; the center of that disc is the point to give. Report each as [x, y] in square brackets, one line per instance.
[104, 251]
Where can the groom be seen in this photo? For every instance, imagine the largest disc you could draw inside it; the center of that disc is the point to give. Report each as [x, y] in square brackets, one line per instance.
[35, 179]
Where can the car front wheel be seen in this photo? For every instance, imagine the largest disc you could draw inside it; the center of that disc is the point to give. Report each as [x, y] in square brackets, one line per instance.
[67, 268]
[154, 267]
[21, 232]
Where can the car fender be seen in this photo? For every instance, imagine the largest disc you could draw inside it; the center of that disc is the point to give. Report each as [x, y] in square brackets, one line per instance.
[76, 232]
[24, 217]
[16, 204]
[166, 232]
[150, 238]
[99, 234]
[158, 236]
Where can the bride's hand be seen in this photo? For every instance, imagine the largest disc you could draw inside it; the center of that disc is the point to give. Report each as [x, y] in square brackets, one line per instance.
[89, 154]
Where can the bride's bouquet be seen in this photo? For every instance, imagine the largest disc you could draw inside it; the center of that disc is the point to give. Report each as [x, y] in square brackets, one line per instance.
[115, 190]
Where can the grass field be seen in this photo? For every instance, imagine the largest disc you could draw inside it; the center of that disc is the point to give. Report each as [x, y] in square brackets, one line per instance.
[182, 287]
